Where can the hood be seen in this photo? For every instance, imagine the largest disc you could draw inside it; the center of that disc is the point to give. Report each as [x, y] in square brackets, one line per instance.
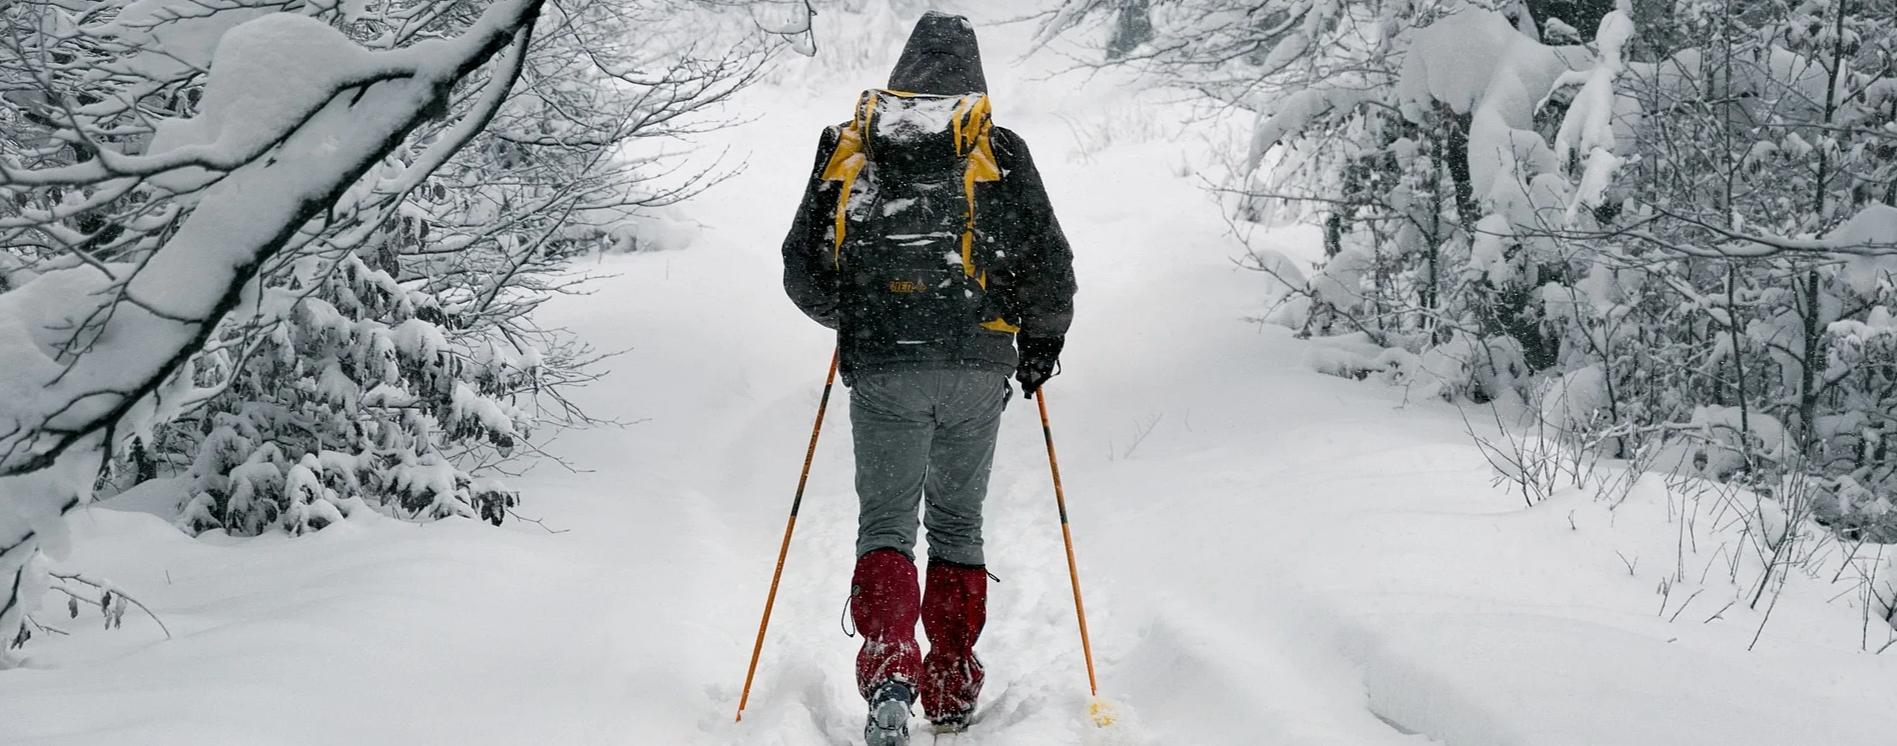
[941, 58]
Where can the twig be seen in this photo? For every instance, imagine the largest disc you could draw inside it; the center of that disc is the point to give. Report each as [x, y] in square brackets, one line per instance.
[537, 522]
[1140, 431]
[1682, 609]
[108, 588]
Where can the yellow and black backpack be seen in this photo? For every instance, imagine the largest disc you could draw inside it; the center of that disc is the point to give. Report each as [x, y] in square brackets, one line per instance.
[913, 264]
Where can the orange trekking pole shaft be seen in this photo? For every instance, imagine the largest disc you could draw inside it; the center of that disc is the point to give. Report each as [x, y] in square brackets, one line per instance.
[789, 526]
[1067, 536]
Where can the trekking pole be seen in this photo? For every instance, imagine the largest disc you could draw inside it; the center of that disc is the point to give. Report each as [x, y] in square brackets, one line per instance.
[1102, 714]
[789, 526]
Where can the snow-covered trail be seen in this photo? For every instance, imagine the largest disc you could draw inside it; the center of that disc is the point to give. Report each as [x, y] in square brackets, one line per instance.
[1270, 555]
[1283, 558]
[724, 374]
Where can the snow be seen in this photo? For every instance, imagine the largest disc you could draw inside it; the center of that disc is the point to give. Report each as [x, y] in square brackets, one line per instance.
[1576, 398]
[178, 37]
[1589, 126]
[271, 71]
[1875, 225]
[1475, 63]
[1293, 113]
[905, 118]
[1285, 557]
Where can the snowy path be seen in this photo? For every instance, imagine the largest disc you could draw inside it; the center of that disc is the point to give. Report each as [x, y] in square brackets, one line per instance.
[1285, 559]
[733, 372]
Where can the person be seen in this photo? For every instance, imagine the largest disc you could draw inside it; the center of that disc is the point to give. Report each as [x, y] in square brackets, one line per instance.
[926, 347]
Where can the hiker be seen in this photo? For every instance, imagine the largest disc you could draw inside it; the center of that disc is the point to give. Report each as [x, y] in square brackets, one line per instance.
[925, 238]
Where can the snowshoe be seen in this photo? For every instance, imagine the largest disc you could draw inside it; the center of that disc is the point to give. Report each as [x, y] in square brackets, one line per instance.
[889, 715]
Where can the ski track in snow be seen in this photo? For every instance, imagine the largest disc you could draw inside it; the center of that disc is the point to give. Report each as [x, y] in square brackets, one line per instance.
[1285, 559]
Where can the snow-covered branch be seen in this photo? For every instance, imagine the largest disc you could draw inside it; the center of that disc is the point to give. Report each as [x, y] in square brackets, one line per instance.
[298, 113]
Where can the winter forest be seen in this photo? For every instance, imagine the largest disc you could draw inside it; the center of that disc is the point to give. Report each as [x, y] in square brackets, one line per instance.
[1462, 372]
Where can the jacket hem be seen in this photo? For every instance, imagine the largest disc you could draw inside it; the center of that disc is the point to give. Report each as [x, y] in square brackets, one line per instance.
[860, 369]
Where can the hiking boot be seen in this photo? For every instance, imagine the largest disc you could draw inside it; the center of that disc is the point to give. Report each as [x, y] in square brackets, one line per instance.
[954, 609]
[889, 715]
[884, 604]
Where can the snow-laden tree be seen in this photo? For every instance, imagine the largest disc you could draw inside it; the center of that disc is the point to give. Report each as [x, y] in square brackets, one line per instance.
[288, 252]
[1762, 166]
[1340, 138]
[399, 358]
[1672, 239]
[100, 323]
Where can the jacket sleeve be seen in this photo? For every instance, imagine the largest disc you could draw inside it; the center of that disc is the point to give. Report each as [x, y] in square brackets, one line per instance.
[810, 276]
[1043, 264]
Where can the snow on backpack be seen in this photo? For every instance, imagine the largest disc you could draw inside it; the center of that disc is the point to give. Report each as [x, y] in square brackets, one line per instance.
[905, 241]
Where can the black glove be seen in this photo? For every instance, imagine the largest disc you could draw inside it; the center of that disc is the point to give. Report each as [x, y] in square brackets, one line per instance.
[1040, 357]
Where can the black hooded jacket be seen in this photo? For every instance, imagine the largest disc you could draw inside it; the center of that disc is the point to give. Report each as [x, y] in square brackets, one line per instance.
[1037, 281]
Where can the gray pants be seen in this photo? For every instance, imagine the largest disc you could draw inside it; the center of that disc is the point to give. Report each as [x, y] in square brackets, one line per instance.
[925, 433]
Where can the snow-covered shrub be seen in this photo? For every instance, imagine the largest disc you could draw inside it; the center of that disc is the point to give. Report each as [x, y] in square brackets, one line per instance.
[132, 236]
[305, 280]
[1758, 199]
[1859, 439]
[403, 338]
[363, 393]
[1683, 208]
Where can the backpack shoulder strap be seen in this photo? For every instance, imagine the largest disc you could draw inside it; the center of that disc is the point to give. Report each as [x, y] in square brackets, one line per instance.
[973, 123]
[846, 162]
[974, 127]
